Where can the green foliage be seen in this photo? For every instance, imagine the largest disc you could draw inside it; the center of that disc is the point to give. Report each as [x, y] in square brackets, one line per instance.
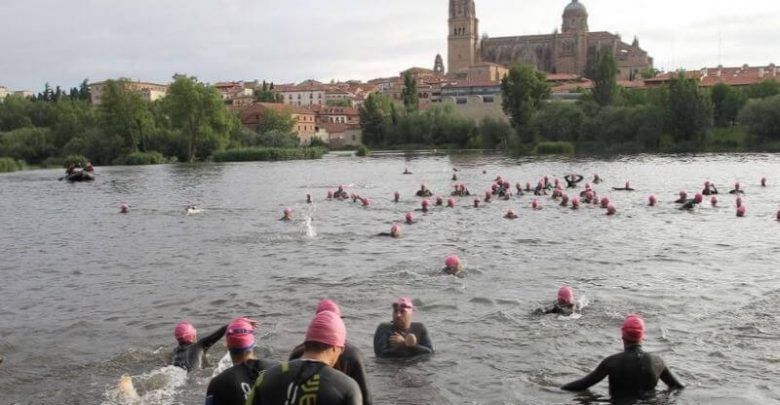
[409, 94]
[362, 150]
[272, 120]
[726, 103]
[339, 103]
[494, 133]
[15, 113]
[602, 69]
[523, 89]
[688, 111]
[761, 118]
[374, 118]
[725, 139]
[141, 158]
[9, 165]
[554, 148]
[764, 89]
[266, 94]
[101, 147]
[558, 122]
[127, 114]
[317, 142]
[277, 139]
[77, 160]
[32, 145]
[268, 154]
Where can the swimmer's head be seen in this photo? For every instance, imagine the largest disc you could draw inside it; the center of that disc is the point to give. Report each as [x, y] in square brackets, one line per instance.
[395, 230]
[736, 186]
[604, 202]
[185, 333]
[327, 328]
[611, 210]
[589, 195]
[683, 194]
[124, 208]
[741, 211]
[409, 218]
[425, 203]
[476, 203]
[575, 203]
[308, 198]
[633, 329]
[330, 194]
[439, 200]
[628, 185]
[565, 295]
[451, 202]
[763, 182]
[328, 305]
[707, 184]
[239, 335]
[510, 213]
[365, 201]
[288, 212]
[651, 200]
[396, 196]
[778, 215]
[535, 204]
[698, 198]
[452, 262]
[714, 201]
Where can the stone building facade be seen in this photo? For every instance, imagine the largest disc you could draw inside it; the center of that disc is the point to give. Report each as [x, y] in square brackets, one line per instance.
[567, 51]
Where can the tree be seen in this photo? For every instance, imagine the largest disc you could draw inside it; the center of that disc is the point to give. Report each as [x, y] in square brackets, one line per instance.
[272, 120]
[267, 95]
[602, 70]
[494, 133]
[373, 118]
[197, 110]
[523, 90]
[726, 103]
[688, 111]
[126, 113]
[762, 119]
[559, 122]
[409, 93]
[764, 89]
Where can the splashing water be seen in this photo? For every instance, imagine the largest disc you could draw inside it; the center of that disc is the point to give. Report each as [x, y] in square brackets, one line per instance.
[157, 386]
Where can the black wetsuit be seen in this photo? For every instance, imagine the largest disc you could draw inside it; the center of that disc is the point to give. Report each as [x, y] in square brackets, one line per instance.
[689, 205]
[382, 347]
[314, 383]
[190, 356]
[350, 363]
[572, 180]
[562, 309]
[632, 374]
[232, 386]
[424, 193]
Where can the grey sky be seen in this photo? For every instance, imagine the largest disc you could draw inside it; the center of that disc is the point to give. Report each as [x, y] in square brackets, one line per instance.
[64, 41]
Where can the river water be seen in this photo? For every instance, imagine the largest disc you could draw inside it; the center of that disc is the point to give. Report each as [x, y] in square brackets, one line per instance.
[88, 294]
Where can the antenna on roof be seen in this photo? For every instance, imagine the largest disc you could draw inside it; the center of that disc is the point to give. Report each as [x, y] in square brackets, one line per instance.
[720, 47]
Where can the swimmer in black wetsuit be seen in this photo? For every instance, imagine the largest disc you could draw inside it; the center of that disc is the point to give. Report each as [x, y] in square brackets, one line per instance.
[406, 171]
[454, 177]
[564, 305]
[626, 188]
[632, 373]
[709, 189]
[232, 386]
[395, 232]
[191, 352]
[572, 180]
[287, 215]
[351, 362]
[453, 267]
[690, 204]
[683, 198]
[312, 378]
[402, 337]
[423, 191]
[737, 190]
[597, 179]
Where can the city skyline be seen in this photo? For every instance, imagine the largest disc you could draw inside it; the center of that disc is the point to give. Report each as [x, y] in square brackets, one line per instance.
[295, 40]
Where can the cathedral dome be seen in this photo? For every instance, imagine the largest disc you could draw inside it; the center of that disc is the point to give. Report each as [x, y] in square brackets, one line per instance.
[575, 8]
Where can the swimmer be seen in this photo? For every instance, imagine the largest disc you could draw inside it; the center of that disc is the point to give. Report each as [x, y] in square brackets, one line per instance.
[124, 209]
[778, 215]
[691, 204]
[597, 179]
[633, 373]
[527, 186]
[395, 232]
[572, 180]
[452, 266]
[575, 203]
[535, 205]
[308, 198]
[741, 211]
[424, 192]
[564, 305]
[564, 200]
[651, 201]
[476, 203]
[425, 203]
[191, 352]
[488, 196]
[401, 337]
[396, 197]
[409, 218]
[604, 202]
[454, 177]
[287, 215]
[330, 195]
[439, 201]
[519, 189]
[451, 203]
[365, 201]
[611, 210]
[763, 182]
[737, 189]
[192, 209]
[626, 188]
[510, 214]
[683, 198]
[340, 193]
[354, 197]
[406, 171]
[714, 201]
[587, 189]
[590, 196]
[709, 189]
[484, 171]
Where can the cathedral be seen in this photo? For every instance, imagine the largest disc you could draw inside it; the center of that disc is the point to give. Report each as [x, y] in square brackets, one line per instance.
[567, 51]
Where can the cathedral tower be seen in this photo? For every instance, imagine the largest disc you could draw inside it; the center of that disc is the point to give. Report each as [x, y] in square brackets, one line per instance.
[575, 18]
[463, 40]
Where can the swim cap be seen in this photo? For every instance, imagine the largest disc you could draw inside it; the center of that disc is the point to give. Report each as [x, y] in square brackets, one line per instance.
[565, 294]
[633, 329]
[185, 333]
[535, 204]
[575, 202]
[741, 211]
[476, 202]
[328, 305]
[604, 202]
[714, 201]
[510, 212]
[452, 261]
[736, 186]
[651, 200]
[589, 195]
[683, 194]
[327, 328]
[409, 217]
[698, 198]
[124, 208]
[450, 202]
[405, 301]
[288, 211]
[395, 229]
[611, 210]
[330, 194]
[366, 202]
[426, 203]
[239, 335]
[707, 183]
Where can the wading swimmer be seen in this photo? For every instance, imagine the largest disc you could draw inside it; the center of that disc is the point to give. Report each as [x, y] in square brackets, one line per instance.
[287, 215]
[191, 352]
[563, 305]
[690, 204]
[510, 214]
[351, 362]
[401, 337]
[737, 189]
[683, 198]
[409, 218]
[124, 209]
[632, 373]
[312, 378]
[452, 266]
[423, 191]
[232, 386]
[395, 231]
[626, 188]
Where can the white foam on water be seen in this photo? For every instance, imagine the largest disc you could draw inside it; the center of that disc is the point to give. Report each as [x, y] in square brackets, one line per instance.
[223, 364]
[155, 387]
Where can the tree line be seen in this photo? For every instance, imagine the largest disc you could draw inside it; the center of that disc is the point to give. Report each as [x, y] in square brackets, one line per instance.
[191, 123]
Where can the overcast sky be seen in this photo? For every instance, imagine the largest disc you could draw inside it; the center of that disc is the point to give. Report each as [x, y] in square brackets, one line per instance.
[65, 41]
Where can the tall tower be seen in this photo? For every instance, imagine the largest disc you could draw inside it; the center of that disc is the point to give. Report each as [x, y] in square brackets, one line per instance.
[575, 18]
[463, 40]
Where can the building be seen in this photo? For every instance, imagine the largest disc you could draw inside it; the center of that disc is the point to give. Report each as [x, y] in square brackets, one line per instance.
[338, 135]
[236, 93]
[149, 91]
[476, 100]
[304, 94]
[731, 76]
[564, 51]
[305, 120]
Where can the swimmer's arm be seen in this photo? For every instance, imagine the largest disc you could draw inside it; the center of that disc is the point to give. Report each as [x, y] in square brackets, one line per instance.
[424, 344]
[209, 340]
[589, 380]
[382, 341]
[670, 380]
[358, 373]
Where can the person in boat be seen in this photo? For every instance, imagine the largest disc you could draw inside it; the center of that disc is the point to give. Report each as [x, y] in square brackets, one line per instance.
[691, 204]
[597, 179]
[572, 180]
[190, 354]
[424, 192]
[633, 373]
[510, 214]
[709, 189]
[71, 169]
[311, 379]
[401, 337]
[395, 232]
[452, 266]
[89, 167]
[287, 214]
[563, 305]
[351, 362]
[626, 188]
[406, 171]
[232, 386]
[737, 189]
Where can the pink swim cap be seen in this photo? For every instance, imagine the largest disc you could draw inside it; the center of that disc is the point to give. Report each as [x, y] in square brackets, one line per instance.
[366, 202]
[395, 229]
[327, 328]
[535, 204]
[604, 202]
[426, 203]
[328, 305]
[450, 202]
[409, 217]
[452, 261]
[611, 210]
[741, 211]
[698, 198]
[239, 335]
[124, 208]
[575, 202]
[404, 302]
[185, 333]
[330, 194]
[633, 329]
[589, 195]
[288, 211]
[714, 201]
[651, 200]
[566, 295]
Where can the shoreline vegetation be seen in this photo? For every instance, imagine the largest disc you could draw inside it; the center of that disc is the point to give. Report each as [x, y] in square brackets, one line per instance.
[193, 124]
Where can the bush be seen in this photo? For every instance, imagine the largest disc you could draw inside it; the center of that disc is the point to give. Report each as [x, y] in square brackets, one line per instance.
[77, 160]
[141, 158]
[268, 154]
[554, 148]
[362, 150]
[9, 165]
[725, 140]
